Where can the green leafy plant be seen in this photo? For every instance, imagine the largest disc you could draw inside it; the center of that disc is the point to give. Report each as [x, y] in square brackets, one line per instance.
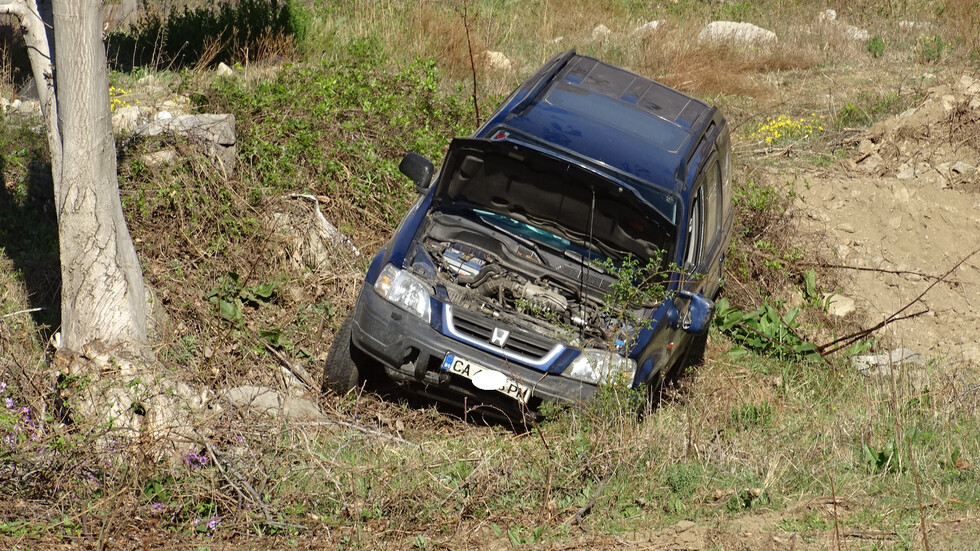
[230, 296]
[931, 49]
[765, 330]
[883, 460]
[875, 46]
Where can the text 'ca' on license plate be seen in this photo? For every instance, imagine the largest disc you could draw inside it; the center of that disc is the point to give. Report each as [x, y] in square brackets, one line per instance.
[485, 378]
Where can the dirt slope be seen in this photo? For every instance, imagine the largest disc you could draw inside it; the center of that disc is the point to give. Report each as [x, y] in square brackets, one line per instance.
[905, 209]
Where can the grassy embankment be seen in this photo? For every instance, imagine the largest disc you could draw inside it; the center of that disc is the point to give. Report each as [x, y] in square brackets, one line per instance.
[747, 436]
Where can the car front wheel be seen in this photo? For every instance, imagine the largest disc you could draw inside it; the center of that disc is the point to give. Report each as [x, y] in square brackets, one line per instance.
[345, 363]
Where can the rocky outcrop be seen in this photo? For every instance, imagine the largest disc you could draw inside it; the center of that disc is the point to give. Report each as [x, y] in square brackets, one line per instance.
[213, 134]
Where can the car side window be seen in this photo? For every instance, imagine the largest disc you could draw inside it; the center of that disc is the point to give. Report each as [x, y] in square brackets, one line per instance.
[712, 188]
[695, 231]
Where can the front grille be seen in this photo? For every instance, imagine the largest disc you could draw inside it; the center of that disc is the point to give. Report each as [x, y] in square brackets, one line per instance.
[521, 344]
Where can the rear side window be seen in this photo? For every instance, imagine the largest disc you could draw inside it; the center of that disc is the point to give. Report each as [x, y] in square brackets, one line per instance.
[695, 231]
[712, 203]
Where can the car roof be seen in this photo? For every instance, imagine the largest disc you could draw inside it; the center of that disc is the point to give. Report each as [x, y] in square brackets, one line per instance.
[605, 115]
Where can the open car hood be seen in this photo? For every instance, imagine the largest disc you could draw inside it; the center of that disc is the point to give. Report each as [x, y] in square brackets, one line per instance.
[568, 199]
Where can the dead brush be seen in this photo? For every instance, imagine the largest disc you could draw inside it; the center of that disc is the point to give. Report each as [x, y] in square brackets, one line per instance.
[963, 17]
[437, 23]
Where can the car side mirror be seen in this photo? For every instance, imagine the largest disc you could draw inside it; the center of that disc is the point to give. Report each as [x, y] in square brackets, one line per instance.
[698, 315]
[418, 169]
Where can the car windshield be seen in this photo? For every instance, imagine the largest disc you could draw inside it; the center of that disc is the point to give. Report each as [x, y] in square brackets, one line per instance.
[538, 235]
[552, 201]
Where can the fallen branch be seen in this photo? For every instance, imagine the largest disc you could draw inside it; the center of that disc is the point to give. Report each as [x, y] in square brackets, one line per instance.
[847, 340]
[28, 311]
[880, 271]
[297, 370]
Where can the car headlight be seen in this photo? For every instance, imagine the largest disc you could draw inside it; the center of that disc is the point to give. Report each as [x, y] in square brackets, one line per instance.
[402, 289]
[602, 366]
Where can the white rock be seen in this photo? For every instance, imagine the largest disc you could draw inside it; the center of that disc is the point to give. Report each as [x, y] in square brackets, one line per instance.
[742, 33]
[853, 33]
[148, 80]
[224, 70]
[916, 26]
[839, 306]
[827, 15]
[497, 61]
[650, 26]
[125, 119]
[881, 364]
[963, 168]
[163, 115]
[601, 32]
[214, 133]
[157, 158]
[949, 103]
[906, 174]
[270, 402]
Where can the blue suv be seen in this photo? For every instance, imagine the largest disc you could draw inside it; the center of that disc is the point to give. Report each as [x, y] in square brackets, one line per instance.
[494, 290]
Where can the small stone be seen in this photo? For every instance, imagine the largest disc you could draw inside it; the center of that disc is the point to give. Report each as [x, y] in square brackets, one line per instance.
[963, 168]
[949, 103]
[148, 80]
[741, 33]
[601, 32]
[827, 15]
[224, 70]
[873, 365]
[125, 119]
[497, 61]
[856, 34]
[906, 174]
[839, 306]
[845, 227]
[895, 222]
[684, 525]
[157, 158]
[651, 26]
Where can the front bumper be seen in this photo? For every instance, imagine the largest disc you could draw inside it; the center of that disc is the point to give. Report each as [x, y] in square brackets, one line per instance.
[412, 351]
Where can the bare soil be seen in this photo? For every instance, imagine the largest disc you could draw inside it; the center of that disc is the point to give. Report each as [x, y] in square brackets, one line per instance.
[902, 213]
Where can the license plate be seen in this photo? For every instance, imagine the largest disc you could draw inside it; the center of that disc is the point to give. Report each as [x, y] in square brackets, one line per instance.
[485, 378]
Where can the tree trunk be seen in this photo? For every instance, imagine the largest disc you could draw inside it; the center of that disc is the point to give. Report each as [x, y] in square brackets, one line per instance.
[103, 303]
[36, 19]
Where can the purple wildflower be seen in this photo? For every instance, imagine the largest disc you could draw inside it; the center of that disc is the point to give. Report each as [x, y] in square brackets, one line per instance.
[195, 460]
[157, 508]
[214, 523]
[3, 386]
[9, 402]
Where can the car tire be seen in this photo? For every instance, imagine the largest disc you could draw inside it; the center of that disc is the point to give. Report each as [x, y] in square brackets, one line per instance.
[343, 369]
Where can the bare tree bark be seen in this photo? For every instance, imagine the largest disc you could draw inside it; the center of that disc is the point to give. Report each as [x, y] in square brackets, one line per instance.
[103, 297]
